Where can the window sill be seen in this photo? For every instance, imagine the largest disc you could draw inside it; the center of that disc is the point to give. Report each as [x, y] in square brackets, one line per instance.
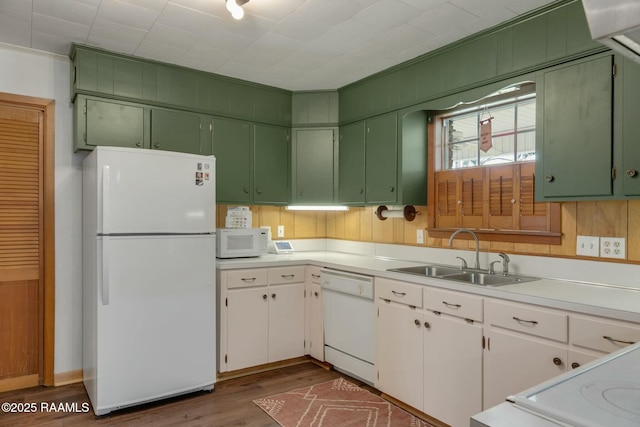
[511, 236]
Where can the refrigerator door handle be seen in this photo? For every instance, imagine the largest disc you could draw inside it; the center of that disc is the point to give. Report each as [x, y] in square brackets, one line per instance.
[106, 178]
[105, 270]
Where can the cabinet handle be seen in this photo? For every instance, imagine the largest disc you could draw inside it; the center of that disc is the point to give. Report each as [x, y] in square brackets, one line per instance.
[316, 294]
[156, 145]
[315, 276]
[399, 294]
[417, 322]
[362, 191]
[618, 341]
[427, 325]
[549, 178]
[264, 296]
[632, 172]
[258, 191]
[287, 276]
[557, 361]
[273, 296]
[517, 319]
[139, 144]
[248, 279]
[392, 189]
[451, 305]
[575, 365]
[245, 190]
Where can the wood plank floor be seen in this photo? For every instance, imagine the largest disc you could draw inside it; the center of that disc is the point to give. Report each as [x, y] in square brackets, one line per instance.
[230, 404]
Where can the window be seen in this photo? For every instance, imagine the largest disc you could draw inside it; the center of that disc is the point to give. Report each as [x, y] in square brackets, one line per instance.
[512, 128]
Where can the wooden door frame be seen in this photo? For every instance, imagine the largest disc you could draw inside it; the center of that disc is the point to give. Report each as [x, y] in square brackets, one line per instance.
[47, 106]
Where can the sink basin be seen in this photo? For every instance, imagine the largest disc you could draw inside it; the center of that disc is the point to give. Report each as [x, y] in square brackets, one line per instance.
[428, 270]
[473, 277]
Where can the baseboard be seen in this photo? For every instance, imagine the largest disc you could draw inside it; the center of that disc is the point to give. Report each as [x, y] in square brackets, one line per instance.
[222, 376]
[16, 383]
[69, 377]
[413, 411]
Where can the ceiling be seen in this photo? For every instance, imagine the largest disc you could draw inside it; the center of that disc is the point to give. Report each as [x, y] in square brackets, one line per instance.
[292, 44]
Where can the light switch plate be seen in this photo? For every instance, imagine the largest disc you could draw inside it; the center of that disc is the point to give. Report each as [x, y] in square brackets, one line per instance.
[420, 237]
[613, 247]
[588, 246]
[281, 231]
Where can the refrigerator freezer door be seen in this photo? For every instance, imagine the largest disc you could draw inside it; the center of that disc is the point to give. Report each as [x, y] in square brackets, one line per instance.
[147, 191]
[157, 330]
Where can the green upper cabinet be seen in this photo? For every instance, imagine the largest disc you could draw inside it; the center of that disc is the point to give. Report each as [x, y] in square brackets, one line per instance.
[313, 166]
[630, 171]
[574, 132]
[314, 109]
[271, 165]
[112, 123]
[351, 164]
[384, 160]
[232, 148]
[381, 159]
[178, 131]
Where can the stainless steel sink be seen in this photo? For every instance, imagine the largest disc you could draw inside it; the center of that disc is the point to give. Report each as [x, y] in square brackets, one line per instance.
[469, 276]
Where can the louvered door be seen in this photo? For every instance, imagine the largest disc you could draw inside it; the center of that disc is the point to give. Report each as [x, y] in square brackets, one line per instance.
[502, 197]
[533, 215]
[472, 198]
[447, 196]
[21, 236]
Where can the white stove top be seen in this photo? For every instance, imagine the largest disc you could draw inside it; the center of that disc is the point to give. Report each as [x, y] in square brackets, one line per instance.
[603, 394]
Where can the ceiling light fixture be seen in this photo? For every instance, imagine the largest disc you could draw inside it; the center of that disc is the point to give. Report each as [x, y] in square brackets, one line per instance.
[235, 8]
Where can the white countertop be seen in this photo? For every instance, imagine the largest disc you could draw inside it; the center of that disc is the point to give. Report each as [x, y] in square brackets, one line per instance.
[603, 300]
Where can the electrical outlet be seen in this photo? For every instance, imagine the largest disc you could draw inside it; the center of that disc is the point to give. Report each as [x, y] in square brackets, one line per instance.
[281, 231]
[613, 247]
[588, 246]
[420, 237]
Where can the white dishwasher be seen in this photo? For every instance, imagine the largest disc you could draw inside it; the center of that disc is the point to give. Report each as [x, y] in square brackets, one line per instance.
[349, 323]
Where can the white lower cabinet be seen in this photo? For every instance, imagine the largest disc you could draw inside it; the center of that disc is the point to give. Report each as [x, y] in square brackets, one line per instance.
[261, 316]
[314, 333]
[452, 368]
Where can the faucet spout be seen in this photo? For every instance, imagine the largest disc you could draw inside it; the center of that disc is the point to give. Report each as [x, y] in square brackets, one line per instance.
[466, 230]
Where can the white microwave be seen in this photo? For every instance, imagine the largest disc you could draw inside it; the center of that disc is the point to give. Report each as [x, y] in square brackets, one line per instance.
[241, 242]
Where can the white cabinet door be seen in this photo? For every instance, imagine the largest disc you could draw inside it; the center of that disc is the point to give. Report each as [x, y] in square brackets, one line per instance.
[514, 362]
[247, 327]
[286, 321]
[452, 369]
[399, 358]
[315, 338]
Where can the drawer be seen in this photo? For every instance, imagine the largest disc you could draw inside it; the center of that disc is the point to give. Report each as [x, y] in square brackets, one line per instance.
[401, 292]
[602, 334]
[247, 278]
[528, 319]
[454, 303]
[313, 274]
[286, 275]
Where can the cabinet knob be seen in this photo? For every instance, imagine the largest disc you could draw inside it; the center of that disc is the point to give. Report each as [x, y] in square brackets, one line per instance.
[300, 192]
[632, 172]
[427, 325]
[264, 296]
[258, 191]
[392, 189]
[549, 178]
[316, 294]
[273, 296]
[156, 145]
[557, 361]
[362, 191]
[417, 322]
[139, 144]
[513, 201]
[245, 190]
[575, 365]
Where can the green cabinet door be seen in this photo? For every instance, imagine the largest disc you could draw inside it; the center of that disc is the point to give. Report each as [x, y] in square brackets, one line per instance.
[313, 166]
[574, 141]
[109, 123]
[271, 165]
[175, 131]
[381, 159]
[351, 164]
[232, 148]
[630, 129]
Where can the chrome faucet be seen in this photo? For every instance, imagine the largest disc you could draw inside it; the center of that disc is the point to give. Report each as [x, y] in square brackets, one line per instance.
[505, 263]
[466, 230]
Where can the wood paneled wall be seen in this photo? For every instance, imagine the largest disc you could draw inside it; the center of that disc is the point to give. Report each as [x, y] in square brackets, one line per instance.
[604, 219]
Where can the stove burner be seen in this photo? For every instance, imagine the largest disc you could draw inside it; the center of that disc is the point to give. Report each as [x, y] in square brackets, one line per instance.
[618, 398]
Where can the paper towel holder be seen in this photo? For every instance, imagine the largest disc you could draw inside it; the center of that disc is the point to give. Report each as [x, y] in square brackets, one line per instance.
[408, 213]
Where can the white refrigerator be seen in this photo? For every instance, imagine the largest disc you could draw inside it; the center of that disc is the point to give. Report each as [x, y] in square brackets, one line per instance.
[148, 276]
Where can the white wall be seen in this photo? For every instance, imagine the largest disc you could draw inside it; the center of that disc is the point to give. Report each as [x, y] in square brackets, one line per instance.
[39, 74]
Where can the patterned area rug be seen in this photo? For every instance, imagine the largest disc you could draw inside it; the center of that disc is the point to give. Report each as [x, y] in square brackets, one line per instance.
[335, 403]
